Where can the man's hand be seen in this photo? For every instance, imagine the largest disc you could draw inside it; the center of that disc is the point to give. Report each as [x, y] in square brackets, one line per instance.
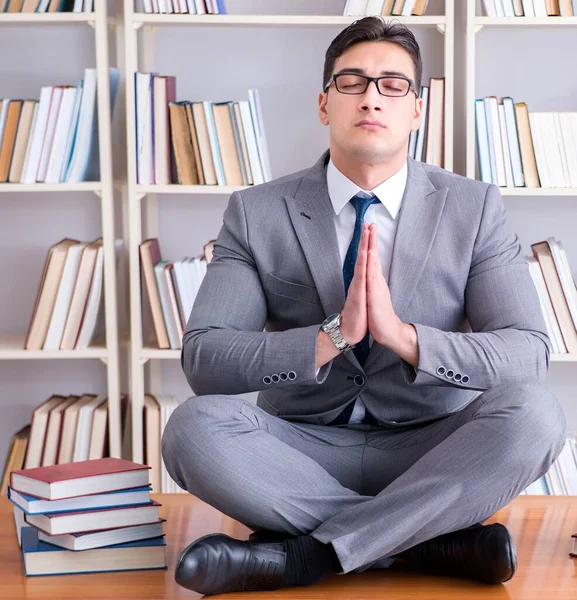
[384, 325]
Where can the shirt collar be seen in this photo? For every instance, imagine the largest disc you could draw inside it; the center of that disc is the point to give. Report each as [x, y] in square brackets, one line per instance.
[390, 192]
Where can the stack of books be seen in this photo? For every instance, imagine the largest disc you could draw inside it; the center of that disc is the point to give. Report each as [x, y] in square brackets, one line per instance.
[404, 8]
[171, 290]
[87, 517]
[551, 273]
[46, 6]
[190, 7]
[530, 8]
[69, 296]
[516, 148]
[54, 139]
[197, 143]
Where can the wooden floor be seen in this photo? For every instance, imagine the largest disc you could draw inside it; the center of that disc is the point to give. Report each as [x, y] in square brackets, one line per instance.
[541, 527]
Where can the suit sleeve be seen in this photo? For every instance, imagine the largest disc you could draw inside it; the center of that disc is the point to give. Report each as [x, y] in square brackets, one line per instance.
[224, 348]
[508, 342]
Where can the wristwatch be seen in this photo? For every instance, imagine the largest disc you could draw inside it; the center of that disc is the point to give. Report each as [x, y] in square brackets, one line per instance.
[331, 326]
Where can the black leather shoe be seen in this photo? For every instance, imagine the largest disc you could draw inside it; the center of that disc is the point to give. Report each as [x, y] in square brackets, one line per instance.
[484, 553]
[217, 563]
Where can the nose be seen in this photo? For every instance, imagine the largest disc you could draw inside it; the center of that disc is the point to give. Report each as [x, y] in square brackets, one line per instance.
[371, 99]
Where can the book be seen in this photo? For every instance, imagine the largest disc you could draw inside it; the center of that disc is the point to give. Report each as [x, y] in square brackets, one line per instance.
[33, 506]
[40, 558]
[573, 553]
[79, 521]
[103, 538]
[15, 457]
[79, 479]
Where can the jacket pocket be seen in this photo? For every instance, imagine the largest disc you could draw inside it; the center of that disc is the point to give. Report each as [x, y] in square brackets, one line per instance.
[297, 291]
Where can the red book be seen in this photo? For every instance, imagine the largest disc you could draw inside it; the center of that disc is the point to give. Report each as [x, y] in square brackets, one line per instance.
[81, 521]
[80, 478]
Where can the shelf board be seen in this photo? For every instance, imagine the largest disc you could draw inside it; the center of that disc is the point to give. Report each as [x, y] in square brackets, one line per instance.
[55, 17]
[88, 186]
[12, 348]
[523, 191]
[189, 189]
[526, 21]
[156, 353]
[272, 20]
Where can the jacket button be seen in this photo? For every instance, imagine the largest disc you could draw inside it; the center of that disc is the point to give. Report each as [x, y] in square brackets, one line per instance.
[441, 370]
[450, 374]
[275, 378]
[266, 380]
[359, 380]
[464, 379]
[283, 376]
[292, 375]
[457, 377]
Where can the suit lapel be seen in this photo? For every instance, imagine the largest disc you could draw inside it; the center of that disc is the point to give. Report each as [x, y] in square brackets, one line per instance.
[421, 210]
[312, 216]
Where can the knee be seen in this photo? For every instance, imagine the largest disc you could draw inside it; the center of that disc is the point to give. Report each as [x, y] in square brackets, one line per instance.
[187, 431]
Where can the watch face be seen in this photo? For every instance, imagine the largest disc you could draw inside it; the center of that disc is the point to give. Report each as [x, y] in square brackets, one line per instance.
[332, 320]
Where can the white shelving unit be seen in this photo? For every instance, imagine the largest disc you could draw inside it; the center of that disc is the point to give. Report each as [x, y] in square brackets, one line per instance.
[474, 26]
[12, 345]
[141, 355]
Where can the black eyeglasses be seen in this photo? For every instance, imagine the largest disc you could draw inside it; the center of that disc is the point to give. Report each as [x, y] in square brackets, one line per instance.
[387, 85]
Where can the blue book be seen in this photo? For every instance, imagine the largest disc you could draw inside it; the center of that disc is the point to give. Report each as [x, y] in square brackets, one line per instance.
[40, 558]
[221, 7]
[36, 506]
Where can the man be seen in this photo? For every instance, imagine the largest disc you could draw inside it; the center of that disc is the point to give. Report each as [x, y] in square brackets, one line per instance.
[400, 374]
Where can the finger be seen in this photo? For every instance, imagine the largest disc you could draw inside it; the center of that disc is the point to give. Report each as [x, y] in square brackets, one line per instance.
[361, 264]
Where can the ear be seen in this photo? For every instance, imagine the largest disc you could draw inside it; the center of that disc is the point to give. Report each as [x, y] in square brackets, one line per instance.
[323, 116]
[418, 117]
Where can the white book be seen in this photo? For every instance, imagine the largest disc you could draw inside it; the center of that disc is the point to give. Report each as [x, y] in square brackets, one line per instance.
[538, 488]
[258, 122]
[49, 134]
[490, 9]
[564, 177]
[422, 131]
[506, 151]
[407, 8]
[499, 8]
[539, 148]
[568, 122]
[374, 7]
[169, 319]
[513, 140]
[84, 428]
[200, 8]
[183, 288]
[88, 6]
[496, 145]
[191, 7]
[508, 8]
[528, 8]
[63, 297]
[32, 160]
[540, 8]
[43, 6]
[173, 304]
[71, 138]
[552, 149]
[412, 143]
[90, 316]
[551, 322]
[144, 127]
[213, 139]
[147, 6]
[78, 4]
[63, 125]
[564, 271]
[255, 166]
[482, 142]
[162, 6]
[86, 118]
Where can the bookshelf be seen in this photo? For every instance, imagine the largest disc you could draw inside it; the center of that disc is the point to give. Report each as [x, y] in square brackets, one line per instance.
[142, 203]
[509, 25]
[12, 344]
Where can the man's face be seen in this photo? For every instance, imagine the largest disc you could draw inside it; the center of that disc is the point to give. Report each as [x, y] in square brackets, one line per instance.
[396, 116]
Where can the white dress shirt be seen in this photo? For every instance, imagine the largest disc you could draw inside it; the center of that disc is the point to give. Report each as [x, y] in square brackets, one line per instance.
[384, 214]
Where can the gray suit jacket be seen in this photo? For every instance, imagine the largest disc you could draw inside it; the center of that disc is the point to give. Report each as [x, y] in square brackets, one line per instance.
[456, 274]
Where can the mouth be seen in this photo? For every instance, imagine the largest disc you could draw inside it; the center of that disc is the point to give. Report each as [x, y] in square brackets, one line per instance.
[370, 125]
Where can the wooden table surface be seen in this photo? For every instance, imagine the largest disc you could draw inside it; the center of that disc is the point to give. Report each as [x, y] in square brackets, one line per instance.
[541, 526]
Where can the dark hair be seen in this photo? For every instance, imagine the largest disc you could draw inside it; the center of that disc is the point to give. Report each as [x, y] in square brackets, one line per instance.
[374, 29]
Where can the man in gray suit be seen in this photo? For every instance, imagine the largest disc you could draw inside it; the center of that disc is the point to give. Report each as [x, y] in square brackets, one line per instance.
[400, 371]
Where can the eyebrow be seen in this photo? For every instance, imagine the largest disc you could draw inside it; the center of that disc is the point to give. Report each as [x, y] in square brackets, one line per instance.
[363, 72]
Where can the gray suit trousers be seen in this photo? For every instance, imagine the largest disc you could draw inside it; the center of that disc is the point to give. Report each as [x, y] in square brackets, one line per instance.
[371, 491]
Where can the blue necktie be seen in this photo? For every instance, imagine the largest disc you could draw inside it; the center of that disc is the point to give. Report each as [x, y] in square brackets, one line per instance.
[361, 205]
